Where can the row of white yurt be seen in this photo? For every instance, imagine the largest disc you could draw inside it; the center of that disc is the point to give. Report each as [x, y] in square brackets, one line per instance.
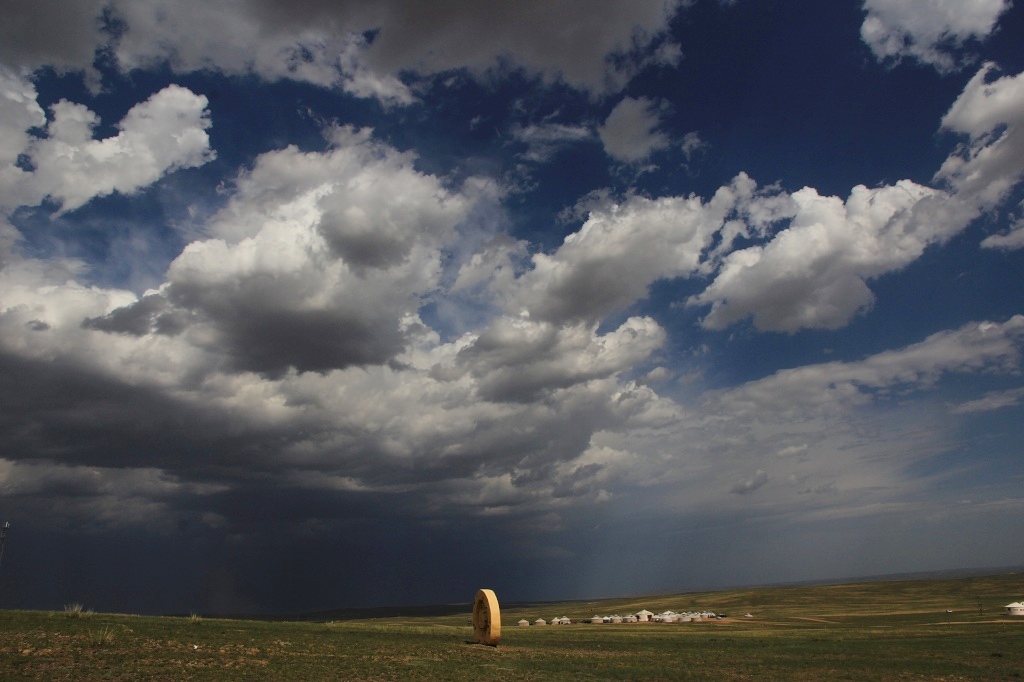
[667, 617]
[554, 621]
[646, 616]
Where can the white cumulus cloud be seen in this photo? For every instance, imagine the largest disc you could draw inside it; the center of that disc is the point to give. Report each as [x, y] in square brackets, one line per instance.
[620, 250]
[545, 139]
[814, 273]
[929, 31]
[630, 133]
[1012, 239]
[318, 260]
[167, 132]
[991, 114]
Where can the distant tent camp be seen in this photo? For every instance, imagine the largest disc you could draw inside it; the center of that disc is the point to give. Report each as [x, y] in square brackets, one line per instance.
[1015, 609]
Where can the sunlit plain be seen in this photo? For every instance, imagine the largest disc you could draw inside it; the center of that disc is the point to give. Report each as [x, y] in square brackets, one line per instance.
[923, 629]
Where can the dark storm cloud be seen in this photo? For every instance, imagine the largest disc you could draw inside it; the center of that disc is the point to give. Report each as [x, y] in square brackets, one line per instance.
[262, 339]
[368, 249]
[59, 411]
[558, 39]
[326, 42]
[64, 35]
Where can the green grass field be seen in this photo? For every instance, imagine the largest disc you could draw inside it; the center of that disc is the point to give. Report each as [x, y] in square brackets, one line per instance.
[899, 630]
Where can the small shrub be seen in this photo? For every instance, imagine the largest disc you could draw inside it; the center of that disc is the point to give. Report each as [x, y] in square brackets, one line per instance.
[195, 619]
[76, 610]
[103, 636]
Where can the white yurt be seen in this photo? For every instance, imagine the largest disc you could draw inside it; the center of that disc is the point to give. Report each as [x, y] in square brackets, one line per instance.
[524, 623]
[629, 619]
[540, 621]
[616, 619]
[1015, 609]
[644, 615]
[596, 620]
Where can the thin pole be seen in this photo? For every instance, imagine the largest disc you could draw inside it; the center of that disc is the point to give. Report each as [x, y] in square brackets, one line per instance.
[3, 539]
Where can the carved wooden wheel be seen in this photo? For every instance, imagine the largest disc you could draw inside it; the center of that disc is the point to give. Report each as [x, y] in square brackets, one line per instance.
[486, 618]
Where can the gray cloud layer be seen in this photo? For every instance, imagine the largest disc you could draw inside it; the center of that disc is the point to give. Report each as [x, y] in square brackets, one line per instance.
[325, 42]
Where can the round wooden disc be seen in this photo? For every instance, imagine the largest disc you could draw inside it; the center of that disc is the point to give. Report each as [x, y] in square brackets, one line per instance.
[486, 618]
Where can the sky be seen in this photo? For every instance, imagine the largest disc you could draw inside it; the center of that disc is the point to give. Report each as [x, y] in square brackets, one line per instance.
[308, 305]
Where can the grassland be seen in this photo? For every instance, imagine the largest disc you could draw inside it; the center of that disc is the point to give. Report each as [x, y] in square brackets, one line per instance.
[901, 630]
